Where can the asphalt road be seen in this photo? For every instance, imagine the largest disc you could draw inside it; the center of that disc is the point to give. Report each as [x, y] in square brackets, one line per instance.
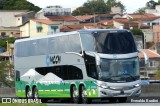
[115, 104]
[130, 102]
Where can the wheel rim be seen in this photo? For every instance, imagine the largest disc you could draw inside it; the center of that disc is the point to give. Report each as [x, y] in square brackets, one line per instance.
[74, 95]
[29, 93]
[36, 95]
[84, 95]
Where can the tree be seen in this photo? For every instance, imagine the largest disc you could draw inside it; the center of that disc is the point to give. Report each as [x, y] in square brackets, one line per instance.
[5, 66]
[2, 2]
[137, 31]
[114, 3]
[3, 43]
[141, 10]
[20, 5]
[149, 5]
[97, 7]
[81, 11]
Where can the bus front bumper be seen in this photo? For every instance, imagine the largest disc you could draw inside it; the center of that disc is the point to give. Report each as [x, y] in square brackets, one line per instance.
[135, 92]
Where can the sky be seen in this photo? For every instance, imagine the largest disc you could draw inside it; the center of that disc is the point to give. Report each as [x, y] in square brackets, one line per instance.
[131, 5]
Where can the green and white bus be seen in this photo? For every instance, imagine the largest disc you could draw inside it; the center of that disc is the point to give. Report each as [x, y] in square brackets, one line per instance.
[80, 65]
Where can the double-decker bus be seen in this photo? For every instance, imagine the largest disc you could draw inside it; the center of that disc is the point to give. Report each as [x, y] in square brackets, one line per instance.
[80, 65]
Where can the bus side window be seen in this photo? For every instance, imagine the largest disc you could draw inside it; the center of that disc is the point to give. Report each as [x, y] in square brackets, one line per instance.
[74, 73]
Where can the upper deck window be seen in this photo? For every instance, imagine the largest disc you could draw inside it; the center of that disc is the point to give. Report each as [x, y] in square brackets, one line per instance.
[114, 42]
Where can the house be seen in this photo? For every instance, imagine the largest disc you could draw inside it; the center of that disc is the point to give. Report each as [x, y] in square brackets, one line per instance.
[156, 31]
[120, 23]
[39, 27]
[10, 20]
[57, 14]
[88, 18]
[153, 64]
[9, 32]
[148, 19]
[97, 17]
[53, 11]
[64, 20]
[108, 16]
[105, 24]
[155, 11]
[115, 10]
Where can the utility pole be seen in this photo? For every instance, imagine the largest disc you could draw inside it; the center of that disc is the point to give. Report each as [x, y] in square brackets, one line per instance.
[9, 73]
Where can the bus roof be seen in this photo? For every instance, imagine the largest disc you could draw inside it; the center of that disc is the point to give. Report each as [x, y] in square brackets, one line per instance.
[46, 36]
[74, 32]
[99, 30]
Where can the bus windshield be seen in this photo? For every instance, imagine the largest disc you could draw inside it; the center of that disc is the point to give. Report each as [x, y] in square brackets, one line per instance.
[114, 42]
[119, 70]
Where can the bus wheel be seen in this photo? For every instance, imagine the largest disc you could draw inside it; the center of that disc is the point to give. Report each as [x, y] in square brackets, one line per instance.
[35, 93]
[74, 95]
[85, 100]
[28, 93]
[122, 99]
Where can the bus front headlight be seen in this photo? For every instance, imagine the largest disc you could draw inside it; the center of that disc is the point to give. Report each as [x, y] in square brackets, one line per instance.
[103, 85]
[137, 85]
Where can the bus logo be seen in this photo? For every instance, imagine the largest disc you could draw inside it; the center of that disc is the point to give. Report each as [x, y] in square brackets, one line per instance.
[55, 59]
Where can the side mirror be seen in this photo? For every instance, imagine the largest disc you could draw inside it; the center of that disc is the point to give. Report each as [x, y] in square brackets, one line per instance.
[146, 59]
[97, 59]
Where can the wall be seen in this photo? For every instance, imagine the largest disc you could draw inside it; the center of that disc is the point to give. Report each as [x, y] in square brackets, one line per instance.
[117, 24]
[71, 22]
[156, 32]
[8, 19]
[148, 35]
[33, 29]
[24, 30]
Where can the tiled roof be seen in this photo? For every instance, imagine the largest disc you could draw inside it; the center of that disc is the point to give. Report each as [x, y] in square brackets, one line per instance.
[130, 22]
[68, 28]
[124, 21]
[62, 18]
[84, 17]
[144, 17]
[106, 24]
[107, 15]
[150, 54]
[45, 21]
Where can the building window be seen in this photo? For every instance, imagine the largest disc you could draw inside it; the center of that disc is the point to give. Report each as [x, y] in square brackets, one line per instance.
[39, 28]
[54, 28]
[152, 64]
[3, 33]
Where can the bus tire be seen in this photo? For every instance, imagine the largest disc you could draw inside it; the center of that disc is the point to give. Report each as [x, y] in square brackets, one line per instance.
[28, 93]
[35, 93]
[83, 95]
[74, 95]
[122, 99]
